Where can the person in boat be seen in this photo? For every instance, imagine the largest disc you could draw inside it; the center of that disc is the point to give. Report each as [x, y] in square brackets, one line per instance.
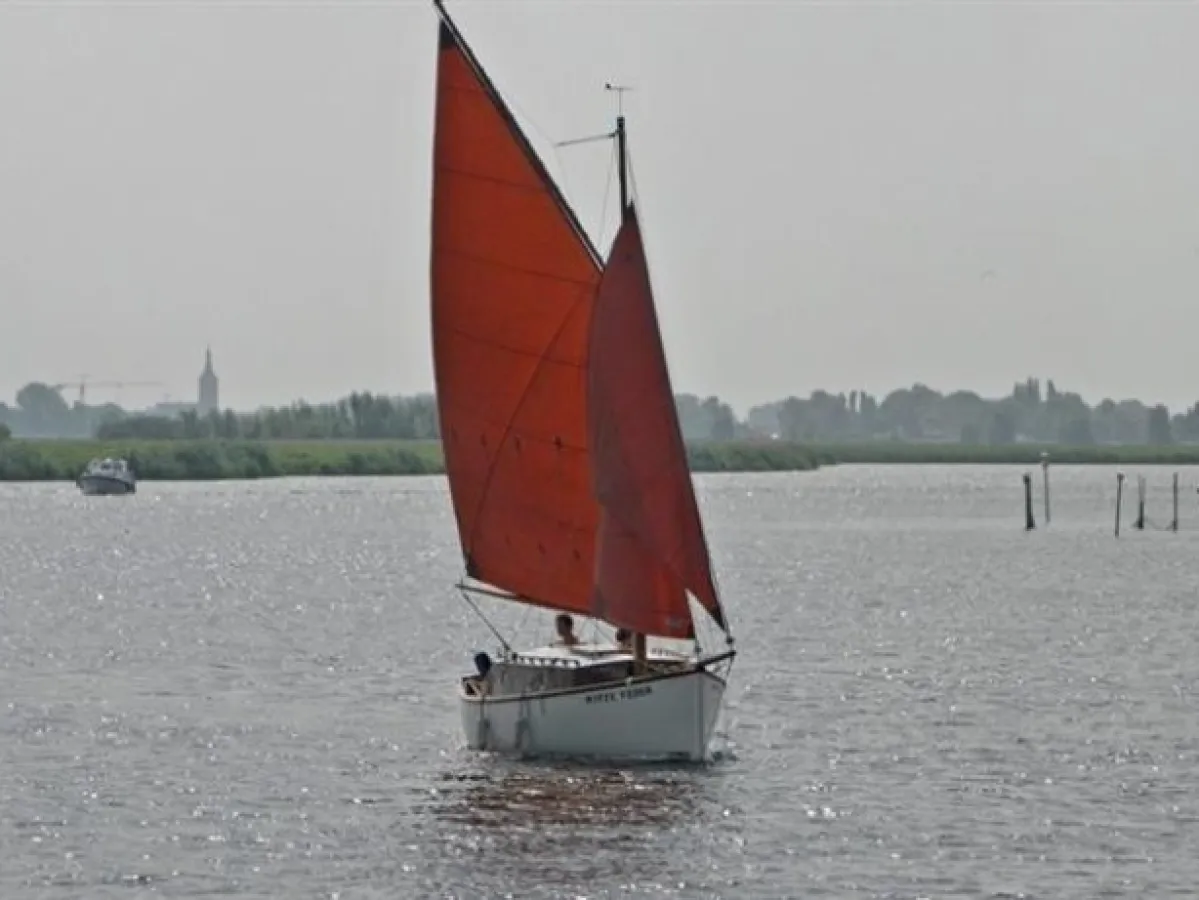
[479, 684]
[566, 630]
[624, 640]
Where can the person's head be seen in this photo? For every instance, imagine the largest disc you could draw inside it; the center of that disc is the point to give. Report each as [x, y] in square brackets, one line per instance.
[565, 625]
[482, 664]
[623, 636]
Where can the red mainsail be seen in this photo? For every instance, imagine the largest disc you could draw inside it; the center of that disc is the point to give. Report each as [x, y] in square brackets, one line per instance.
[513, 282]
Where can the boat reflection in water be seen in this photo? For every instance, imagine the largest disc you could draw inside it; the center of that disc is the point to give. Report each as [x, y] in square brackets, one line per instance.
[565, 825]
[573, 798]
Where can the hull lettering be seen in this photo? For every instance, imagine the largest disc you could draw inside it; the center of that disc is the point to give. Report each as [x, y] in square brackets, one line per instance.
[632, 693]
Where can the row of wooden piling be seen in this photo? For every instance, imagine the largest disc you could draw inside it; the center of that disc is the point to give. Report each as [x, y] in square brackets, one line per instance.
[1139, 524]
[1030, 521]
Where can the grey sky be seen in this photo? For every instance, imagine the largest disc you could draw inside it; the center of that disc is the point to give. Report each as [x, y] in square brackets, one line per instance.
[836, 195]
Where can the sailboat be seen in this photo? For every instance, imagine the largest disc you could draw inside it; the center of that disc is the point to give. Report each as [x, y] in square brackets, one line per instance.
[566, 465]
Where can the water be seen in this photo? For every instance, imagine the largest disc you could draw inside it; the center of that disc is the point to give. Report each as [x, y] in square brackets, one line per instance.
[246, 690]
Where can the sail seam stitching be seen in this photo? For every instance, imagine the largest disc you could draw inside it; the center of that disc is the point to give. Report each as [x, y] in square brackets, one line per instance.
[493, 179]
[515, 412]
[446, 251]
[531, 354]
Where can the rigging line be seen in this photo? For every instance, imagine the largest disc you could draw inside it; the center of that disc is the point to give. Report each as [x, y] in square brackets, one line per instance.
[634, 194]
[603, 222]
[478, 612]
[542, 135]
[561, 175]
[524, 617]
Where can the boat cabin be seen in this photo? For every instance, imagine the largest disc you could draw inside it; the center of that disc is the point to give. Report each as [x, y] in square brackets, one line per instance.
[559, 667]
[107, 466]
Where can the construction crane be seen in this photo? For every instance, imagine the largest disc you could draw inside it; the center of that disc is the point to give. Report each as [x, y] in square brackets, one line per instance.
[82, 384]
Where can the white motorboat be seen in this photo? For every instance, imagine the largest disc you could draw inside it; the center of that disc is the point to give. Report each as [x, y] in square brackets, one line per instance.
[104, 477]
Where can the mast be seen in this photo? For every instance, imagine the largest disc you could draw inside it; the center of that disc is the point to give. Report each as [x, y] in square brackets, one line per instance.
[622, 153]
[622, 169]
[622, 157]
[622, 164]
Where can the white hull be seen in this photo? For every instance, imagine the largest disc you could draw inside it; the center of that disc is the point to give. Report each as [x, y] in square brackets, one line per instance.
[653, 717]
[103, 485]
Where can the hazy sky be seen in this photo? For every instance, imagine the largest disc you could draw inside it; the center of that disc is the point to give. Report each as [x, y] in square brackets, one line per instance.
[839, 194]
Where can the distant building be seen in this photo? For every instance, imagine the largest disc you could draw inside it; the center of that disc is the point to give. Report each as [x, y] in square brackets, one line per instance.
[170, 410]
[209, 388]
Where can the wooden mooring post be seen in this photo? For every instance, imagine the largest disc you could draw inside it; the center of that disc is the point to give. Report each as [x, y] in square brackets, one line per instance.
[1119, 499]
[1029, 522]
[1045, 482]
[1174, 520]
[1139, 524]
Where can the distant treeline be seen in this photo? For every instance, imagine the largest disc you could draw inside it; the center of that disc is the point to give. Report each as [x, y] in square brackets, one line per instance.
[904, 453]
[1031, 414]
[360, 416]
[41, 412]
[183, 460]
[364, 416]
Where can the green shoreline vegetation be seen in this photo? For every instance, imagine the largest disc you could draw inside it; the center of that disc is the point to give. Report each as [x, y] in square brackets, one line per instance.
[45, 438]
[203, 460]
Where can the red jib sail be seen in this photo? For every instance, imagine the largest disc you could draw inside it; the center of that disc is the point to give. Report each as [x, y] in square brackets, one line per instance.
[513, 282]
[651, 548]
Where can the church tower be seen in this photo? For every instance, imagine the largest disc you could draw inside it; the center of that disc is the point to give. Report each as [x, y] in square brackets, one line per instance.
[209, 384]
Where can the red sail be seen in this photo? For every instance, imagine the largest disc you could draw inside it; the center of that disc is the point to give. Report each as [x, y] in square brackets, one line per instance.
[513, 282]
[651, 548]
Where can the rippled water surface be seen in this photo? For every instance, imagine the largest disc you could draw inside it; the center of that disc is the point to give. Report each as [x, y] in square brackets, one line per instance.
[247, 690]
